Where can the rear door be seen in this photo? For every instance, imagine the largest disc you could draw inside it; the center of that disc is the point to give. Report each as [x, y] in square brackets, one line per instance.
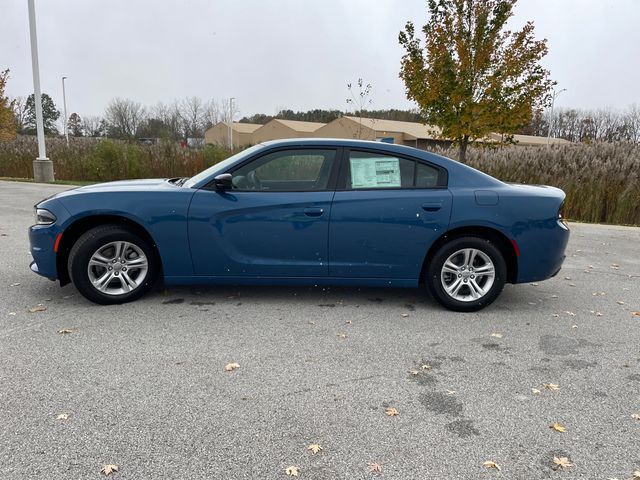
[386, 213]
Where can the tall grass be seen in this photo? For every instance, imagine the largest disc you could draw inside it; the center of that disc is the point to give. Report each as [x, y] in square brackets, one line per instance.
[103, 160]
[602, 180]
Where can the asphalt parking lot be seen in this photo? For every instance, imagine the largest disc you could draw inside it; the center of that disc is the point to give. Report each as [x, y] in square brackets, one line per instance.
[143, 385]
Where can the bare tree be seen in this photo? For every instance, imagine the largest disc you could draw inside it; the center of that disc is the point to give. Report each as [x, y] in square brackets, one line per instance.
[92, 126]
[359, 100]
[632, 123]
[20, 112]
[192, 111]
[124, 117]
[214, 112]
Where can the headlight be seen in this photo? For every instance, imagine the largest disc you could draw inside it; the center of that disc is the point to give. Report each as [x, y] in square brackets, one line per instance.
[44, 217]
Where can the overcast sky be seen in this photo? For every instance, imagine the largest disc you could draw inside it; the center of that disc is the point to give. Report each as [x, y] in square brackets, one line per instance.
[298, 54]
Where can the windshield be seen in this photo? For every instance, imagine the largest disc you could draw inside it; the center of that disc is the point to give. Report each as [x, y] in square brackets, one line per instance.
[221, 166]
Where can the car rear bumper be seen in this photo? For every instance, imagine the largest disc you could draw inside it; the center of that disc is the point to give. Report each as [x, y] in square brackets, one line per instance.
[542, 254]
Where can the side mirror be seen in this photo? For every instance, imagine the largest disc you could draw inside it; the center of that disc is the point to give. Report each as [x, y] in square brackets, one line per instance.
[223, 181]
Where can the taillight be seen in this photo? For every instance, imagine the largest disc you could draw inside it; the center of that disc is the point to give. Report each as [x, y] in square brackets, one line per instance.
[561, 216]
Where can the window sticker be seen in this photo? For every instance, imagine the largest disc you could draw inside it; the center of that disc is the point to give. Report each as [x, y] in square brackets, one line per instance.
[375, 172]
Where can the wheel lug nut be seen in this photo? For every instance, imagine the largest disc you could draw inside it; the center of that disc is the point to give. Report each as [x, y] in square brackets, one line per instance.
[465, 280]
[124, 269]
[110, 268]
[473, 276]
[117, 275]
[459, 275]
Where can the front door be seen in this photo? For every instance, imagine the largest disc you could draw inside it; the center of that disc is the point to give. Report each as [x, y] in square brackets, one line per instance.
[386, 213]
[274, 222]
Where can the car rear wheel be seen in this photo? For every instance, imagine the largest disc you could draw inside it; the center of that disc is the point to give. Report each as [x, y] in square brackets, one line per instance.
[466, 274]
[111, 264]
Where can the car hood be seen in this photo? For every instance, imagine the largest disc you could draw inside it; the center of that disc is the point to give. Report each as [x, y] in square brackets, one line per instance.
[139, 185]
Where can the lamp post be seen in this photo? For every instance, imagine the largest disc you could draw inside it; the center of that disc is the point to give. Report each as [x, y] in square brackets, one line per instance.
[42, 166]
[553, 102]
[64, 107]
[231, 123]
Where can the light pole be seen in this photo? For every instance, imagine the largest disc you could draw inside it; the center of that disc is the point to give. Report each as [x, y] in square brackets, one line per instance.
[42, 166]
[231, 123]
[553, 102]
[64, 107]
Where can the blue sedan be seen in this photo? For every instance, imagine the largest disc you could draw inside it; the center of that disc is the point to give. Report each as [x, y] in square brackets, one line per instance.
[306, 212]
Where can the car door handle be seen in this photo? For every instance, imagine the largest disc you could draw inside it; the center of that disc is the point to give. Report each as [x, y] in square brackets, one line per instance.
[431, 207]
[313, 212]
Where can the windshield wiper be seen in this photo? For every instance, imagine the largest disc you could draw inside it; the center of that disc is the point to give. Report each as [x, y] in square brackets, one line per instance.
[178, 182]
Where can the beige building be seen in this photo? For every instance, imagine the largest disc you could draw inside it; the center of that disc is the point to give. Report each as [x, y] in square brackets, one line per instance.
[529, 140]
[278, 129]
[412, 134]
[242, 134]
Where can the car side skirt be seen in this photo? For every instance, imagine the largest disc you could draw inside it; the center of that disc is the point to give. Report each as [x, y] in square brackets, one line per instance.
[294, 281]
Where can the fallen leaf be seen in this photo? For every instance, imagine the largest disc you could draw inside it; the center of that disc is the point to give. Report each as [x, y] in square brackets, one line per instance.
[533, 284]
[571, 314]
[636, 474]
[490, 464]
[15, 284]
[37, 308]
[342, 335]
[567, 278]
[374, 467]
[405, 314]
[562, 463]
[574, 326]
[636, 416]
[615, 266]
[314, 448]
[414, 372]
[558, 427]
[535, 391]
[620, 302]
[231, 366]
[349, 322]
[451, 392]
[551, 386]
[555, 315]
[292, 471]
[109, 469]
[390, 411]
[66, 331]
[426, 367]
[62, 416]
[635, 314]
[311, 322]
[496, 335]
[12, 313]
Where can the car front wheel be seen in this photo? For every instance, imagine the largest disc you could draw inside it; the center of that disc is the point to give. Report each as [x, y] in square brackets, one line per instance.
[466, 274]
[111, 264]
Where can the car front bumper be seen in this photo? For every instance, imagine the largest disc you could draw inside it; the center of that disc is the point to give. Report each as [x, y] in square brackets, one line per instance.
[42, 239]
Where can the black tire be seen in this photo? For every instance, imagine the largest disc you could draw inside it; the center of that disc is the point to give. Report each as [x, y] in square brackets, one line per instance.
[89, 243]
[434, 272]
